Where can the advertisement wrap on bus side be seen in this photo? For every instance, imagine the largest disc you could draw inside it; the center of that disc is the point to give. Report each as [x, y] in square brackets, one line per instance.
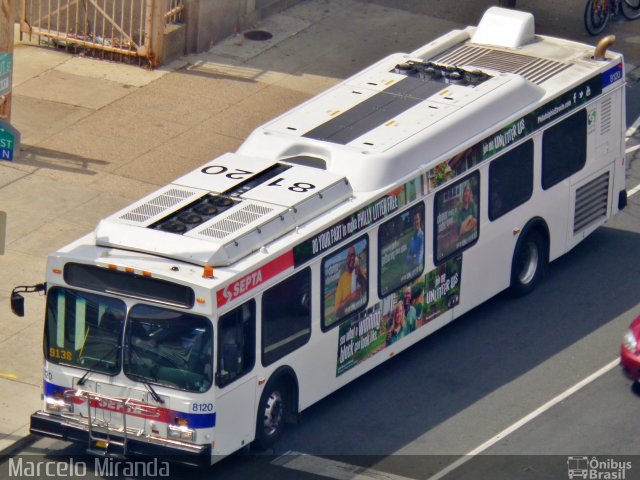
[358, 221]
[521, 128]
[398, 314]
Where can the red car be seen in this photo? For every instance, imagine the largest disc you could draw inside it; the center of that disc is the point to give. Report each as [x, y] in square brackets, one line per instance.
[629, 351]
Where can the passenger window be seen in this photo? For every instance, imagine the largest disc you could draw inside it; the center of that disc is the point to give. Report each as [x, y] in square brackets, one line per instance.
[401, 253]
[456, 219]
[345, 282]
[510, 180]
[564, 149]
[236, 343]
[286, 316]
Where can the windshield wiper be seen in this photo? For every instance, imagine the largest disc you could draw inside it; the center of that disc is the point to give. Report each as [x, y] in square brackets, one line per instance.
[95, 364]
[153, 393]
[148, 386]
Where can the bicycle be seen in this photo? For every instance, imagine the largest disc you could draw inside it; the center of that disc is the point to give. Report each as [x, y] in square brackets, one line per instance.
[598, 12]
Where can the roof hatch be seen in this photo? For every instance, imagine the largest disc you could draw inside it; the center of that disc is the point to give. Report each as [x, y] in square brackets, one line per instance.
[506, 28]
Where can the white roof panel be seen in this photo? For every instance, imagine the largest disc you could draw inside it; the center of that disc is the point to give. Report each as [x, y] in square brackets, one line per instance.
[224, 173]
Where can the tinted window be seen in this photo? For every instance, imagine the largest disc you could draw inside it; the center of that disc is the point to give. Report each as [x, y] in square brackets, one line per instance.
[236, 343]
[457, 224]
[564, 149]
[84, 330]
[286, 316]
[401, 249]
[510, 180]
[345, 282]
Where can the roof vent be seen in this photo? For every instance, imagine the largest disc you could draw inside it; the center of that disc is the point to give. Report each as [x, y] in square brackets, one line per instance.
[506, 28]
[224, 210]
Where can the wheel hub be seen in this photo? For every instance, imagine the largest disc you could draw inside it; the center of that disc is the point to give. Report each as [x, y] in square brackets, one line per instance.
[528, 264]
[273, 413]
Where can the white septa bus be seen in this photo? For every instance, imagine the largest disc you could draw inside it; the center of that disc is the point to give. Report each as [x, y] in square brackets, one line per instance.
[205, 316]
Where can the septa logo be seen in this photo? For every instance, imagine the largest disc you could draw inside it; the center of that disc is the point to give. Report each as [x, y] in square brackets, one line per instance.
[255, 278]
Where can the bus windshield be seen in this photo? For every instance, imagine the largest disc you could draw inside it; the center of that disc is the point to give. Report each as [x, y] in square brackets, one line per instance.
[83, 330]
[169, 348]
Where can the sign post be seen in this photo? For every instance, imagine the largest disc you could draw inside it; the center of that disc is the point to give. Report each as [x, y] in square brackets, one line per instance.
[6, 56]
[9, 136]
[3, 231]
[6, 70]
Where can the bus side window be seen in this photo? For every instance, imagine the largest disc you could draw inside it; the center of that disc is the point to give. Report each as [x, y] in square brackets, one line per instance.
[286, 316]
[564, 149]
[456, 217]
[401, 250]
[510, 180]
[236, 343]
[345, 282]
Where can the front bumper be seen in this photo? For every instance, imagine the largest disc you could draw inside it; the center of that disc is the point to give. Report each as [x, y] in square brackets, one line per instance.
[43, 423]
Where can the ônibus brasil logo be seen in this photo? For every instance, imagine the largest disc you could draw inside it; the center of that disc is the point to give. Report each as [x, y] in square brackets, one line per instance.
[593, 468]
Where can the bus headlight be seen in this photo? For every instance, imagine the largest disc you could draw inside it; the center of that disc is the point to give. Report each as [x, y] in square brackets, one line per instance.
[181, 432]
[57, 405]
[630, 342]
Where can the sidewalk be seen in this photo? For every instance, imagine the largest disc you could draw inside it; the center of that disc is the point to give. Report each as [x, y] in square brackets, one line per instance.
[97, 136]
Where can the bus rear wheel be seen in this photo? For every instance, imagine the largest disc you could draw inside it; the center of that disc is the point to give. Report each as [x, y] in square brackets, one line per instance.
[271, 416]
[529, 263]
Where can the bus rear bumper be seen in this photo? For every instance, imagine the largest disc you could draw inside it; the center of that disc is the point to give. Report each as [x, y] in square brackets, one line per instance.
[55, 426]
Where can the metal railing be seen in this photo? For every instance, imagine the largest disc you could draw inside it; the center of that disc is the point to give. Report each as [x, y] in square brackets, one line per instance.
[175, 11]
[119, 30]
[120, 405]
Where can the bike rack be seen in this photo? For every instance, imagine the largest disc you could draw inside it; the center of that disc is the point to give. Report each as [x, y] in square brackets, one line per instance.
[103, 431]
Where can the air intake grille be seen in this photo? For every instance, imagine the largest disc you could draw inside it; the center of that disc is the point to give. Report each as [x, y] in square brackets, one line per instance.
[605, 120]
[156, 205]
[591, 203]
[536, 70]
[236, 221]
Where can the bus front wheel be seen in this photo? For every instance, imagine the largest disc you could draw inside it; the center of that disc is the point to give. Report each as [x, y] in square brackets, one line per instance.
[529, 263]
[271, 416]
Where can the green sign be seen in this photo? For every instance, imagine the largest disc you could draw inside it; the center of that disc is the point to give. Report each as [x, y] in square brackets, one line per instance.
[5, 62]
[9, 141]
[5, 72]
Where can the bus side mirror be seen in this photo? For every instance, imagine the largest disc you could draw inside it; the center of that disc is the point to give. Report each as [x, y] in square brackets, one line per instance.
[17, 304]
[17, 300]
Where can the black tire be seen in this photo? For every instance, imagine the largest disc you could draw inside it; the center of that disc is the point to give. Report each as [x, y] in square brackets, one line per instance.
[271, 416]
[596, 16]
[630, 9]
[529, 263]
